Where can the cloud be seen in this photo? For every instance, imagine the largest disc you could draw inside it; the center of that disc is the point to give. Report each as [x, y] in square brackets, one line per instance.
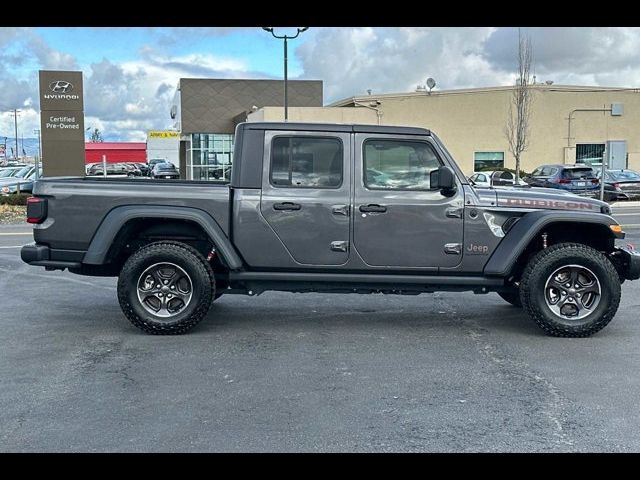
[132, 97]
[126, 98]
[352, 60]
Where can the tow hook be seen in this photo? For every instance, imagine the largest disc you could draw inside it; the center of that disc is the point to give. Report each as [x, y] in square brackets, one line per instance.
[212, 254]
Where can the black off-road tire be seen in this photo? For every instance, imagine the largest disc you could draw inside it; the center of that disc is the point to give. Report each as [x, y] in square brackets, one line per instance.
[512, 297]
[547, 261]
[187, 258]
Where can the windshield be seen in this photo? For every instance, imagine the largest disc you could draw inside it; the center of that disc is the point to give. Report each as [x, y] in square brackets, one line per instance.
[8, 172]
[22, 172]
[623, 175]
[576, 173]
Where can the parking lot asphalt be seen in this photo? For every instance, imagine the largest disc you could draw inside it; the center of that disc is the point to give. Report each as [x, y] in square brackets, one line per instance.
[313, 372]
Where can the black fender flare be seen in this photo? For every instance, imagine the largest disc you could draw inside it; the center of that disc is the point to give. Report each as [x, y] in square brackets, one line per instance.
[116, 218]
[531, 224]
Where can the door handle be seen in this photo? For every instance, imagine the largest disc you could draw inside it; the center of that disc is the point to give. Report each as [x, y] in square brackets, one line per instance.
[340, 210]
[373, 208]
[287, 206]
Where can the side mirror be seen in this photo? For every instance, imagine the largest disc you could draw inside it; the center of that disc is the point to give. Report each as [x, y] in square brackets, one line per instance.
[444, 180]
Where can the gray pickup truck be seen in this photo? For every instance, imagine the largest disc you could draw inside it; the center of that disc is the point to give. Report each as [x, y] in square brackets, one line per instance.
[333, 208]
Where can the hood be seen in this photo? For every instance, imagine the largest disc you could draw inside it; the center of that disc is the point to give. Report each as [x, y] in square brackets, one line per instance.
[547, 199]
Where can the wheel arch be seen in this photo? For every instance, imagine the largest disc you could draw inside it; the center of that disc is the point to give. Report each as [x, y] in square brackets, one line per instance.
[525, 238]
[123, 222]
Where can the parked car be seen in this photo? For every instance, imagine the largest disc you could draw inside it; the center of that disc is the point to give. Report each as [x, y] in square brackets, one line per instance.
[9, 171]
[119, 169]
[576, 179]
[493, 178]
[143, 167]
[153, 162]
[22, 180]
[621, 185]
[165, 170]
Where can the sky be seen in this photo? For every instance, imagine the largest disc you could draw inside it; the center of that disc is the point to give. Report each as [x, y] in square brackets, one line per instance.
[131, 73]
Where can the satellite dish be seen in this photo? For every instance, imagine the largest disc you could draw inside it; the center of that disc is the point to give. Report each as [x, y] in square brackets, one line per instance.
[431, 83]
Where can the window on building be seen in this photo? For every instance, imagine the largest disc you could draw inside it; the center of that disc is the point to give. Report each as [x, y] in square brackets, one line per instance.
[210, 157]
[589, 153]
[488, 160]
[306, 162]
[398, 164]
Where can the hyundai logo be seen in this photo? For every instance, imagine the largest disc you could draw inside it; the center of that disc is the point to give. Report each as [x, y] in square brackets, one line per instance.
[60, 86]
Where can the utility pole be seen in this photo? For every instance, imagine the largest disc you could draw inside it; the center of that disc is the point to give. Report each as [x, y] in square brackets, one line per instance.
[15, 123]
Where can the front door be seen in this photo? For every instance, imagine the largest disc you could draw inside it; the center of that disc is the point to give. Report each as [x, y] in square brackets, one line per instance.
[306, 185]
[398, 220]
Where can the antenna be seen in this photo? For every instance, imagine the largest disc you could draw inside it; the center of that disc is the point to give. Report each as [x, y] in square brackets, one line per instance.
[431, 83]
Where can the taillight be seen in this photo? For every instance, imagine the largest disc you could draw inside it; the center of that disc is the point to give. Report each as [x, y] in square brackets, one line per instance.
[36, 209]
[616, 186]
[595, 181]
[564, 181]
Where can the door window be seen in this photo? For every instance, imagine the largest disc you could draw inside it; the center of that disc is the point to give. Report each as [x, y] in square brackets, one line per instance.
[398, 164]
[306, 162]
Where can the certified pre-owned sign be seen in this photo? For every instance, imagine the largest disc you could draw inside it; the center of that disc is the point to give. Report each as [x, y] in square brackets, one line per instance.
[61, 90]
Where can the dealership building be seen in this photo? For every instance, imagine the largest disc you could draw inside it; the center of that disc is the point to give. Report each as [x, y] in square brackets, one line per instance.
[206, 112]
[568, 124]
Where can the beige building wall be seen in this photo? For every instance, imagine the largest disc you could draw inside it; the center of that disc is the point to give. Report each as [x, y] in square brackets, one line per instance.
[315, 115]
[473, 120]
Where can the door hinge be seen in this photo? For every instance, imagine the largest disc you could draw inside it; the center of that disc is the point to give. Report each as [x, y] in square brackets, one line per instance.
[339, 246]
[453, 248]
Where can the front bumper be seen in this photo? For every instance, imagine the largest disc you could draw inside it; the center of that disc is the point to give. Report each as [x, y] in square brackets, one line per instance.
[627, 261]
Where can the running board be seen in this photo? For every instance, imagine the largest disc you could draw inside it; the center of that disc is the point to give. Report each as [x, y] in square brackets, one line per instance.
[427, 280]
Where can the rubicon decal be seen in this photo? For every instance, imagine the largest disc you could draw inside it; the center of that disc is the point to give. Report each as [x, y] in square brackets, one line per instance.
[541, 203]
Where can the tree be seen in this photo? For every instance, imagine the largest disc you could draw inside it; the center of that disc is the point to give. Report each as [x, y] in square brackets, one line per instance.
[96, 136]
[517, 127]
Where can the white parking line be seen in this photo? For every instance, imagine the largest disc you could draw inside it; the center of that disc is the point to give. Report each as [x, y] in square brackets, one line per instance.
[16, 246]
[15, 233]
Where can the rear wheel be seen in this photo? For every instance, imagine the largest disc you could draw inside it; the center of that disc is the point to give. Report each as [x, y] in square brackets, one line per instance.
[166, 288]
[570, 290]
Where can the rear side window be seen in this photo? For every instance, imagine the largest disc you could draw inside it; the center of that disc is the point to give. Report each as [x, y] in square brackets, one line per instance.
[306, 162]
[577, 173]
[398, 164]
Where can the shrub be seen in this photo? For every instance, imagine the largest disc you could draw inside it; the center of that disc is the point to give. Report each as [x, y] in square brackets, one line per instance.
[14, 199]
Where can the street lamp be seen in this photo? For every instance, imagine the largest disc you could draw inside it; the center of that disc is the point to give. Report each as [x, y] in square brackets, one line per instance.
[285, 38]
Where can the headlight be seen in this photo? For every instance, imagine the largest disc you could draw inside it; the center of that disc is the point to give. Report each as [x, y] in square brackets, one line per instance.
[5, 190]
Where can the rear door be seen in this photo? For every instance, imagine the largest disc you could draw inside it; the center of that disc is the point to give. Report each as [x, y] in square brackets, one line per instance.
[398, 220]
[306, 186]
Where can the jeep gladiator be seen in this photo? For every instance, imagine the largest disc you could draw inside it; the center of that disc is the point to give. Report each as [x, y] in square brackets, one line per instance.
[333, 208]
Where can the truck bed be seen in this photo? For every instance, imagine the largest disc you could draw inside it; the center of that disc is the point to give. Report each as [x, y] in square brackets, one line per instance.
[77, 205]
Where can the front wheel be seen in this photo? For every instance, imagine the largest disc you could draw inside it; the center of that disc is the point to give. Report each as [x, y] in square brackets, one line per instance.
[166, 288]
[570, 290]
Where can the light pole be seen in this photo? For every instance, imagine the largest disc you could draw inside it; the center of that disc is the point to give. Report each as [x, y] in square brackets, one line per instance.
[285, 38]
[15, 122]
[37, 130]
